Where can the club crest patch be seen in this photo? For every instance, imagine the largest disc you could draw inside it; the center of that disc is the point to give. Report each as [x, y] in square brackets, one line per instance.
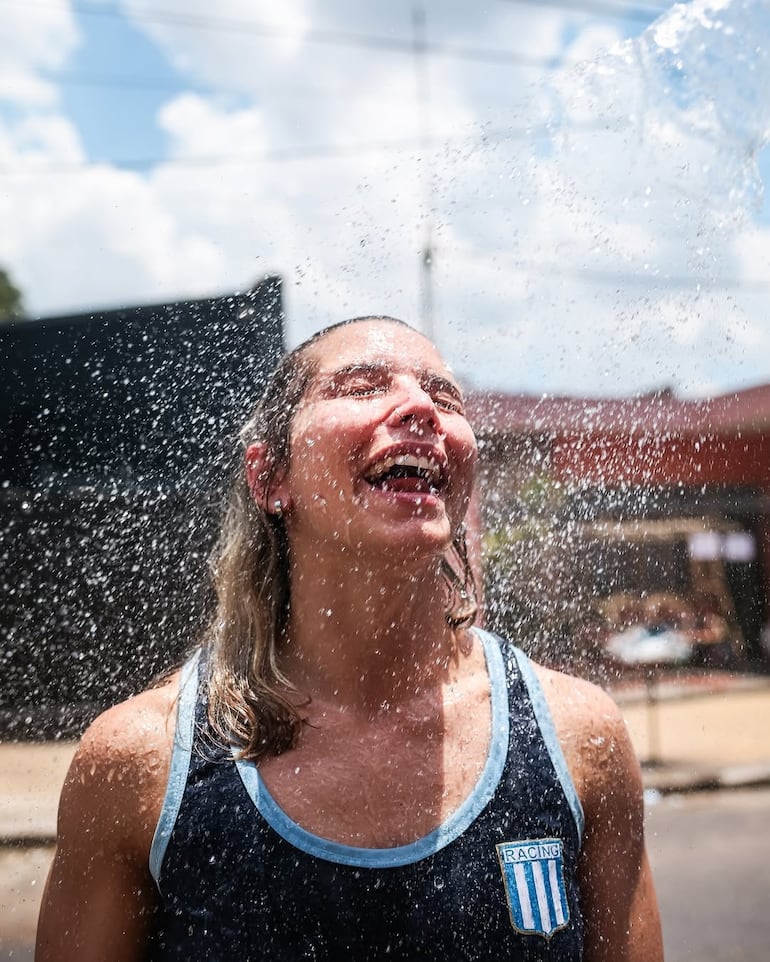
[533, 875]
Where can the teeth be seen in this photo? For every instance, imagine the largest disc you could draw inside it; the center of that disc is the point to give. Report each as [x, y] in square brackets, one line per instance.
[428, 465]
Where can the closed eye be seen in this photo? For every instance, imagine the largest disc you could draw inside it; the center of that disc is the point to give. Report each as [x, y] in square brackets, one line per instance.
[444, 394]
[448, 403]
[358, 381]
[359, 388]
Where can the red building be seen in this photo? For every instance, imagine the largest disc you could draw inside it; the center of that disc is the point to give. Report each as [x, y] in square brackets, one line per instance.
[655, 458]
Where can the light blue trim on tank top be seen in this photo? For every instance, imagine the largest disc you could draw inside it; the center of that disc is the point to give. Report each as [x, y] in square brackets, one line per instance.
[440, 837]
[180, 763]
[551, 739]
[332, 851]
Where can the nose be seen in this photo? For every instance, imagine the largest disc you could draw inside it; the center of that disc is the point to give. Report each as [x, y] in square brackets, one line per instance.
[414, 404]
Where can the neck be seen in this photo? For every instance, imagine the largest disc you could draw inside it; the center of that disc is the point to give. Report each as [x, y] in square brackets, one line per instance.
[365, 638]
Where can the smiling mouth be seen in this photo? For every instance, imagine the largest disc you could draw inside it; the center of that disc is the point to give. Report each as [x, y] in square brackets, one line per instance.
[406, 473]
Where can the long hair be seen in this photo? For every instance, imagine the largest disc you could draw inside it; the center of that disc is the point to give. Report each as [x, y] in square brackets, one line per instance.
[247, 704]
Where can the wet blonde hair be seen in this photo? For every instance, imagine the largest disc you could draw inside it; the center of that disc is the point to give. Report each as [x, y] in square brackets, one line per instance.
[247, 704]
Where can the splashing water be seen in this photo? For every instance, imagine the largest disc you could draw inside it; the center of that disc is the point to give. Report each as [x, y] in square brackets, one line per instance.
[687, 100]
[651, 156]
[711, 60]
[635, 188]
[699, 73]
[119, 431]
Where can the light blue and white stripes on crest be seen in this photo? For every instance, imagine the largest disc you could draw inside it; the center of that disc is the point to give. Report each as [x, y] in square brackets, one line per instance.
[533, 875]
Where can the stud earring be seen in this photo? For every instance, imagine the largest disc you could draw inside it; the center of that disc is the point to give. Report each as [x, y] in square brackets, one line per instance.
[278, 508]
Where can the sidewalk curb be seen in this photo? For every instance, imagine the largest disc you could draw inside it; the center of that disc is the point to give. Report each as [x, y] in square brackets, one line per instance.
[684, 781]
[666, 690]
[27, 841]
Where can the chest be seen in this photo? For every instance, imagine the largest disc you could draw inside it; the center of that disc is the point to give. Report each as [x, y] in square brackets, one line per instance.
[384, 781]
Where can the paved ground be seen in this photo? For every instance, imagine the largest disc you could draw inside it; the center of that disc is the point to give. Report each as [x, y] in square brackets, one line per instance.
[710, 856]
[697, 732]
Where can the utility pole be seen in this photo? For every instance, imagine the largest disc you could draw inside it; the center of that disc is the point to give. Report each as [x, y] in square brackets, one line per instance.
[423, 107]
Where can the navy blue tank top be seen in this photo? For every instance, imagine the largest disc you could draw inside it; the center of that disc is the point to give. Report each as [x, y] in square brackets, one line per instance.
[239, 880]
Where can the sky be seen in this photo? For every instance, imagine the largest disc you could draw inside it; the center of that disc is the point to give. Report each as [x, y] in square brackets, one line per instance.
[567, 196]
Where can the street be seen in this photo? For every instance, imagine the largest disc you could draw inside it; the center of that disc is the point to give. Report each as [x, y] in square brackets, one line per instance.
[710, 855]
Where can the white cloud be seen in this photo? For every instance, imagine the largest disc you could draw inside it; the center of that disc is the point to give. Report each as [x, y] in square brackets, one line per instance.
[234, 46]
[559, 253]
[35, 37]
[41, 140]
[198, 129]
[751, 255]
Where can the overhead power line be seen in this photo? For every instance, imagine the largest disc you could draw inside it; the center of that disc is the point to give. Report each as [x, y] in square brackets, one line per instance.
[337, 38]
[621, 11]
[301, 153]
[346, 38]
[111, 80]
[499, 58]
[619, 278]
[487, 55]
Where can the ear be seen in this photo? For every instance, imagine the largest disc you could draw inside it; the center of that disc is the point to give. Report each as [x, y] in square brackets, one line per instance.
[259, 463]
[265, 483]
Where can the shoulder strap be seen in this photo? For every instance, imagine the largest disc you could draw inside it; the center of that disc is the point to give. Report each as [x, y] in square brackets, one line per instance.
[546, 725]
[180, 763]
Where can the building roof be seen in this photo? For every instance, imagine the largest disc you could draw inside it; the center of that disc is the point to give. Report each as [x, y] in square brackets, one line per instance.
[660, 414]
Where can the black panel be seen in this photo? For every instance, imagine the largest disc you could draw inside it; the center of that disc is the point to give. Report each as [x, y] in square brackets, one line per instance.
[119, 433]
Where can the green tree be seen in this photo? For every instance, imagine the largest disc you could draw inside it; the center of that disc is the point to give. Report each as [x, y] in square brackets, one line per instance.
[11, 302]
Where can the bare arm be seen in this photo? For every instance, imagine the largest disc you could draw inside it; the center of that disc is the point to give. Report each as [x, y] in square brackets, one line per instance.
[622, 923]
[99, 898]
[620, 909]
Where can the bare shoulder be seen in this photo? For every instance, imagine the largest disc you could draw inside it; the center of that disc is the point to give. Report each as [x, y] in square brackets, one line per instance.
[142, 723]
[575, 702]
[592, 733]
[118, 775]
[100, 895]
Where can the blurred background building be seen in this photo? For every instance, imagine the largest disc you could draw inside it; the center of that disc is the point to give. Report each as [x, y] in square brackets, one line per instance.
[119, 429]
[592, 506]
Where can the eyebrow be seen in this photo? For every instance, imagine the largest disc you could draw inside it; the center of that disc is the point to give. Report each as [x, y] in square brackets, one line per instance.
[362, 367]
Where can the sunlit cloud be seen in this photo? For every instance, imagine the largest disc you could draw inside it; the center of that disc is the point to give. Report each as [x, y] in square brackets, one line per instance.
[584, 234]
